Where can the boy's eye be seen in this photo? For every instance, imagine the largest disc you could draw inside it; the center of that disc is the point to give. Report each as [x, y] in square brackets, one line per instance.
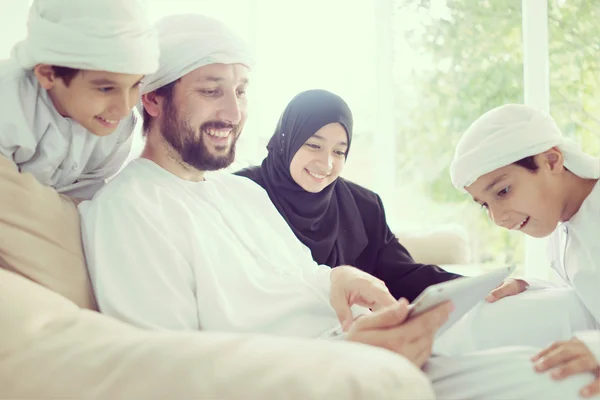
[341, 153]
[504, 191]
[105, 89]
[241, 93]
[483, 205]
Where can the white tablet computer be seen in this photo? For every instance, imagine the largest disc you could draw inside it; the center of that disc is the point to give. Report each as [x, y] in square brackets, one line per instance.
[464, 293]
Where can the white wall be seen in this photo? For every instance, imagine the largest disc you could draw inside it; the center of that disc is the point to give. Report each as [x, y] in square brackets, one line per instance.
[13, 16]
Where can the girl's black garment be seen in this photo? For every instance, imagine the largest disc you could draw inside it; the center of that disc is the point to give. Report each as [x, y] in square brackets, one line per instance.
[344, 224]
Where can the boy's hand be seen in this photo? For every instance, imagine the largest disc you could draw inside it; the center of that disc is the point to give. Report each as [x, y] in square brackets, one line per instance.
[509, 287]
[570, 358]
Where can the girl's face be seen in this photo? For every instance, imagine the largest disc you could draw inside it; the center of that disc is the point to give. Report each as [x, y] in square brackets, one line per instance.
[320, 160]
[520, 199]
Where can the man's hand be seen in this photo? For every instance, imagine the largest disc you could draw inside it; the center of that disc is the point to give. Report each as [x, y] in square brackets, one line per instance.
[388, 328]
[570, 358]
[509, 287]
[351, 286]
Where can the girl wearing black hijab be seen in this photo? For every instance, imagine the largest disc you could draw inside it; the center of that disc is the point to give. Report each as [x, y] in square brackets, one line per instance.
[341, 222]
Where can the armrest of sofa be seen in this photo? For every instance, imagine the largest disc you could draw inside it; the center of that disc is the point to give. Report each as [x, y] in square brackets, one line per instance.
[447, 244]
[49, 348]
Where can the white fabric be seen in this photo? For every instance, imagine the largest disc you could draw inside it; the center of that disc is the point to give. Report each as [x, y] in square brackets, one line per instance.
[505, 373]
[509, 133]
[50, 349]
[166, 253]
[537, 283]
[574, 251]
[213, 255]
[591, 338]
[190, 41]
[107, 35]
[534, 318]
[58, 151]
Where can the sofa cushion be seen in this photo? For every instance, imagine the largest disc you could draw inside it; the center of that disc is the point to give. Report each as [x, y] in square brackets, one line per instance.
[40, 236]
[443, 245]
[50, 348]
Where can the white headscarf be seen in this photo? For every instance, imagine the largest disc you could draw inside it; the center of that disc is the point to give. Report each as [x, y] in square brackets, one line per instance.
[101, 35]
[509, 133]
[191, 41]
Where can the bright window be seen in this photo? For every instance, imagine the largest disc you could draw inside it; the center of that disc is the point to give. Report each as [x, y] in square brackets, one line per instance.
[454, 60]
[575, 70]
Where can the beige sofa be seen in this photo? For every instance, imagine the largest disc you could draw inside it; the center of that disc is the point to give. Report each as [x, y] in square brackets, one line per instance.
[441, 245]
[52, 349]
[54, 346]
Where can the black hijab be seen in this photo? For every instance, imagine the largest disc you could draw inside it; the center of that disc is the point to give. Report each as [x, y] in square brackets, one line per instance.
[328, 222]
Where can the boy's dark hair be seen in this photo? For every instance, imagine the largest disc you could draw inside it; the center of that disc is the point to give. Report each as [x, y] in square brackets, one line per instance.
[65, 73]
[164, 91]
[528, 163]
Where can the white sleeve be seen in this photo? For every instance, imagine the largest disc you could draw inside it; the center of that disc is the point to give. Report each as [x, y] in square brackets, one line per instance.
[320, 277]
[88, 183]
[316, 276]
[587, 285]
[16, 143]
[536, 284]
[586, 278]
[137, 270]
[6, 150]
[592, 341]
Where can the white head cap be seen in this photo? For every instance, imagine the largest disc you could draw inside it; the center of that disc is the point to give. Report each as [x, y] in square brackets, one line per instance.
[509, 133]
[101, 35]
[190, 41]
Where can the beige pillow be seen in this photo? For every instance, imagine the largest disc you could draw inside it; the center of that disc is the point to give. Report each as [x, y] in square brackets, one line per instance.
[51, 349]
[447, 244]
[40, 236]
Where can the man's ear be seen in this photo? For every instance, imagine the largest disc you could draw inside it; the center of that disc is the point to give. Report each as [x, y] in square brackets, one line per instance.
[152, 103]
[554, 159]
[45, 75]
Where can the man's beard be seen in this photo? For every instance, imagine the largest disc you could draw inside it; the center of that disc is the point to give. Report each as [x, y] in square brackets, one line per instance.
[190, 146]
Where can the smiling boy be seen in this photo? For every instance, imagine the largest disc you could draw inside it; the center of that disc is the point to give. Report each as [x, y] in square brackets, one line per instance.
[68, 91]
[515, 162]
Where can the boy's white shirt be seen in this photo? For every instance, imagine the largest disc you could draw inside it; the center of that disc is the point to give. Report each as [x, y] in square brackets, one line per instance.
[574, 252]
[575, 249]
[512, 132]
[57, 151]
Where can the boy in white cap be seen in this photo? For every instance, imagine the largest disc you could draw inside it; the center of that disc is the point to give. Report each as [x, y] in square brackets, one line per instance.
[517, 164]
[68, 91]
